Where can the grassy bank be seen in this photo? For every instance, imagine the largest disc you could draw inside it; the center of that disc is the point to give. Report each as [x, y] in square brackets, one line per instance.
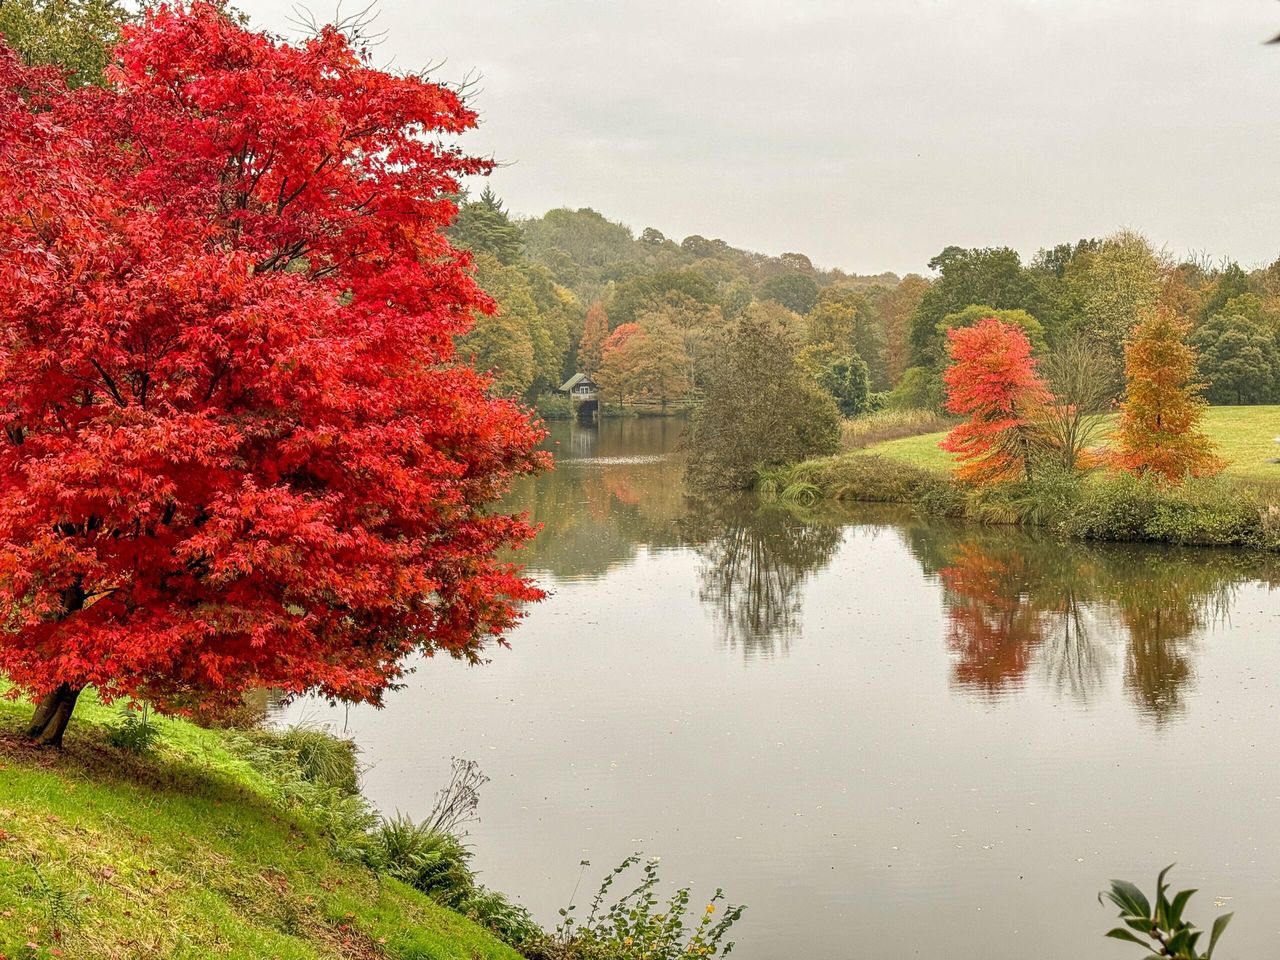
[1244, 438]
[188, 851]
[1239, 508]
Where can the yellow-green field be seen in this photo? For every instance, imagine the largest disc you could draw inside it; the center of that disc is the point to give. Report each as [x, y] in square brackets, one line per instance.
[1245, 437]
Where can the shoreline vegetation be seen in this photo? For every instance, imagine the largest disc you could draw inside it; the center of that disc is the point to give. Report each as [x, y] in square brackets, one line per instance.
[895, 457]
[153, 836]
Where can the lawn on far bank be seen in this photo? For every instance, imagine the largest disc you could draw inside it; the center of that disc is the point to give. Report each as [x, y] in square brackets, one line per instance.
[1245, 438]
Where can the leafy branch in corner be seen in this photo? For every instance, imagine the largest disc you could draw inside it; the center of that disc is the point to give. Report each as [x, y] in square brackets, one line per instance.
[1161, 931]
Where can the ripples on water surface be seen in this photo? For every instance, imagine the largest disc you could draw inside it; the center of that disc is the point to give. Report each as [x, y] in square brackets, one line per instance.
[890, 738]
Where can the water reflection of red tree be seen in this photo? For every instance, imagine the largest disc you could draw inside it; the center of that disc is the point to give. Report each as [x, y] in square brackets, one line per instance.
[993, 629]
[620, 482]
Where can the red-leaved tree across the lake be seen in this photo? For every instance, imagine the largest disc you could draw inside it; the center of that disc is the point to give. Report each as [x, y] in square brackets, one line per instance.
[993, 381]
[238, 450]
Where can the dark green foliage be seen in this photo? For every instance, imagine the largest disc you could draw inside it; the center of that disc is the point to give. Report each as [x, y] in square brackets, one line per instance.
[554, 406]
[317, 777]
[866, 478]
[1053, 261]
[579, 245]
[429, 860]
[1119, 507]
[507, 920]
[632, 296]
[483, 226]
[845, 378]
[761, 408]
[702, 248]
[1207, 512]
[919, 389]
[941, 496]
[77, 35]
[795, 291]
[319, 757]
[1231, 282]
[1047, 500]
[974, 314]
[992, 276]
[1239, 360]
[1161, 929]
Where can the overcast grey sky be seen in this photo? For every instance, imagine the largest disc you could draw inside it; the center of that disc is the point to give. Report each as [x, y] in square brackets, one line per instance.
[870, 134]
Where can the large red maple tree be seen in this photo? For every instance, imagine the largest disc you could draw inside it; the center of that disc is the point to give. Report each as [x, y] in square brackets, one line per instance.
[238, 448]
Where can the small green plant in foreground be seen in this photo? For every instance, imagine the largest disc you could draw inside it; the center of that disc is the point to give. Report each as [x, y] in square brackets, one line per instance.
[134, 732]
[1161, 930]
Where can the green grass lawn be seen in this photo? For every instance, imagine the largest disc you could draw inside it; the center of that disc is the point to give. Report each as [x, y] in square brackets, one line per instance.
[1244, 435]
[183, 853]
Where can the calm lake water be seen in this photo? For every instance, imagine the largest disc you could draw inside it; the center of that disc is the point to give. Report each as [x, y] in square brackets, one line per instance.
[889, 737]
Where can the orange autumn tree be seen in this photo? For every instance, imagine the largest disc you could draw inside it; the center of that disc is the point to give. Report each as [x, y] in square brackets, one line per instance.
[993, 381]
[595, 330]
[1159, 432]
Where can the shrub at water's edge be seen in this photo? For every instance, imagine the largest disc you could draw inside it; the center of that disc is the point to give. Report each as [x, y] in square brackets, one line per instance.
[1214, 511]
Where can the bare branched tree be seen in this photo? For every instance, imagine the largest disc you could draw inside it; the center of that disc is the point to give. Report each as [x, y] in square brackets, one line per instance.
[1082, 379]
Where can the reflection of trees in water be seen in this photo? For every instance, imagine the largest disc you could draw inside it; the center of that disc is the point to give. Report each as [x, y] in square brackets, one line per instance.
[1164, 606]
[1074, 656]
[755, 562]
[992, 628]
[1016, 604]
[613, 490]
[1015, 599]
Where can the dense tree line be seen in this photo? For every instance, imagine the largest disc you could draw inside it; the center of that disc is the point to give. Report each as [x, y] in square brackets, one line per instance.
[563, 285]
[645, 314]
[867, 340]
[1095, 292]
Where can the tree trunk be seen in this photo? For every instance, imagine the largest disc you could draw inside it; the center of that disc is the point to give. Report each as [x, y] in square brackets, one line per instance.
[52, 716]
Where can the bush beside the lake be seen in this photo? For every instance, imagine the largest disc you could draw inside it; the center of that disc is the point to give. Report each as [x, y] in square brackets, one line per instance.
[554, 406]
[876, 479]
[1200, 512]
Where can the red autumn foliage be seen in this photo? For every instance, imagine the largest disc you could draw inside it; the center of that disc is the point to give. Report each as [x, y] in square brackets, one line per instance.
[993, 628]
[239, 449]
[620, 337]
[993, 381]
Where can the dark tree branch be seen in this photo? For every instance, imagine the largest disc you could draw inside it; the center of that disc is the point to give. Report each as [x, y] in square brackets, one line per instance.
[111, 384]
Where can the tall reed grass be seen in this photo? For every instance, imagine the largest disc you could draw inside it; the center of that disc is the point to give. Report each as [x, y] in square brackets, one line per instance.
[873, 428]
